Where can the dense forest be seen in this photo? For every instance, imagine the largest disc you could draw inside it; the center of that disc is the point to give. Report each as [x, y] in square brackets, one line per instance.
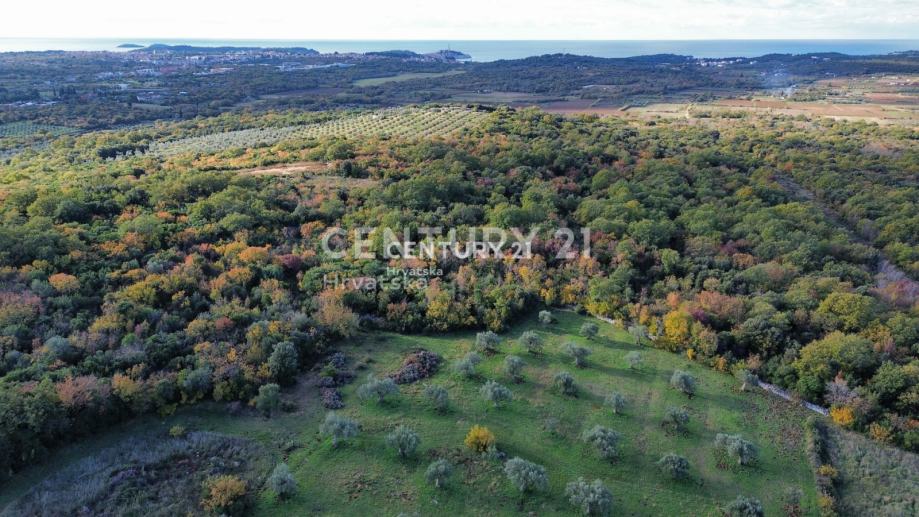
[132, 282]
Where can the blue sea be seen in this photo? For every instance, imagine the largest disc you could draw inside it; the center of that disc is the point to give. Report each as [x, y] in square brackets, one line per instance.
[486, 50]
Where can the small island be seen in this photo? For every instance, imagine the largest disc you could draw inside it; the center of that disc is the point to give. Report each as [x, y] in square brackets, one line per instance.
[130, 45]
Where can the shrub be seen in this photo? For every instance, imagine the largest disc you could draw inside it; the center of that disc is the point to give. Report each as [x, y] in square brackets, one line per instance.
[513, 365]
[746, 378]
[495, 393]
[487, 342]
[616, 402]
[744, 507]
[439, 472]
[735, 447]
[377, 389]
[479, 439]
[177, 431]
[282, 482]
[673, 465]
[532, 341]
[340, 428]
[564, 383]
[224, 495]
[589, 330]
[404, 439]
[604, 439]
[545, 317]
[331, 398]
[842, 415]
[417, 366]
[466, 366]
[578, 353]
[526, 476]
[268, 399]
[684, 382]
[283, 362]
[676, 418]
[634, 359]
[438, 396]
[592, 499]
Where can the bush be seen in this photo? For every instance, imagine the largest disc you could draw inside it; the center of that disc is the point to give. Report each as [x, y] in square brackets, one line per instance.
[495, 393]
[417, 366]
[282, 482]
[268, 399]
[673, 465]
[438, 473]
[225, 495]
[438, 396]
[746, 378]
[545, 317]
[404, 439]
[340, 428]
[513, 366]
[634, 359]
[616, 402]
[592, 499]
[744, 507]
[735, 447]
[377, 389]
[283, 362]
[578, 353]
[466, 366]
[177, 431]
[479, 439]
[589, 330]
[564, 383]
[331, 398]
[487, 342]
[532, 341]
[605, 440]
[684, 382]
[676, 418]
[526, 476]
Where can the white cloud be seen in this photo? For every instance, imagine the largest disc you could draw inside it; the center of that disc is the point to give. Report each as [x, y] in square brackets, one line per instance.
[469, 19]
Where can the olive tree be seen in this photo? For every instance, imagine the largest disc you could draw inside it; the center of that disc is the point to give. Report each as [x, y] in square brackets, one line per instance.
[282, 482]
[604, 439]
[545, 317]
[466, 365]
[673, 465]
[495, 393]
[439, 472]
[513, 365]
[634, 359]
[526, 476]
[377, 389]
[340, 428]
[487, 342]
[438, 396]
[745, 507]
[735, 447]
[532, 341]
[578, 353]
[589, 330]
[676, 418]
[684, 382]
[404, 440]
[564, 383]
[592, 499]
[638, 332]
[616, 402]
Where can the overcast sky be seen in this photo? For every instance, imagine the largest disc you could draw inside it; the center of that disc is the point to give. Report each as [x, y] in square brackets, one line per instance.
[463, 19]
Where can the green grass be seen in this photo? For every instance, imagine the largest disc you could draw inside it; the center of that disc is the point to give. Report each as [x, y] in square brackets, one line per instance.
[409, 76]
[364, 477]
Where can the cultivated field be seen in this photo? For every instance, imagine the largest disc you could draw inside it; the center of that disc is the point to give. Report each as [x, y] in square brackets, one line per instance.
[541, 425]
[406, 123]
[410, 76]
[20, 129]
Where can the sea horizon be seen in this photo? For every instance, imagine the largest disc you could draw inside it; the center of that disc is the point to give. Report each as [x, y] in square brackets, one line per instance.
[493, 50]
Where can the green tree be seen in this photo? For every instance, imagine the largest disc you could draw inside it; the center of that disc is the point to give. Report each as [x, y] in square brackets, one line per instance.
[591, 499]
[404, 440]
[268, 399]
